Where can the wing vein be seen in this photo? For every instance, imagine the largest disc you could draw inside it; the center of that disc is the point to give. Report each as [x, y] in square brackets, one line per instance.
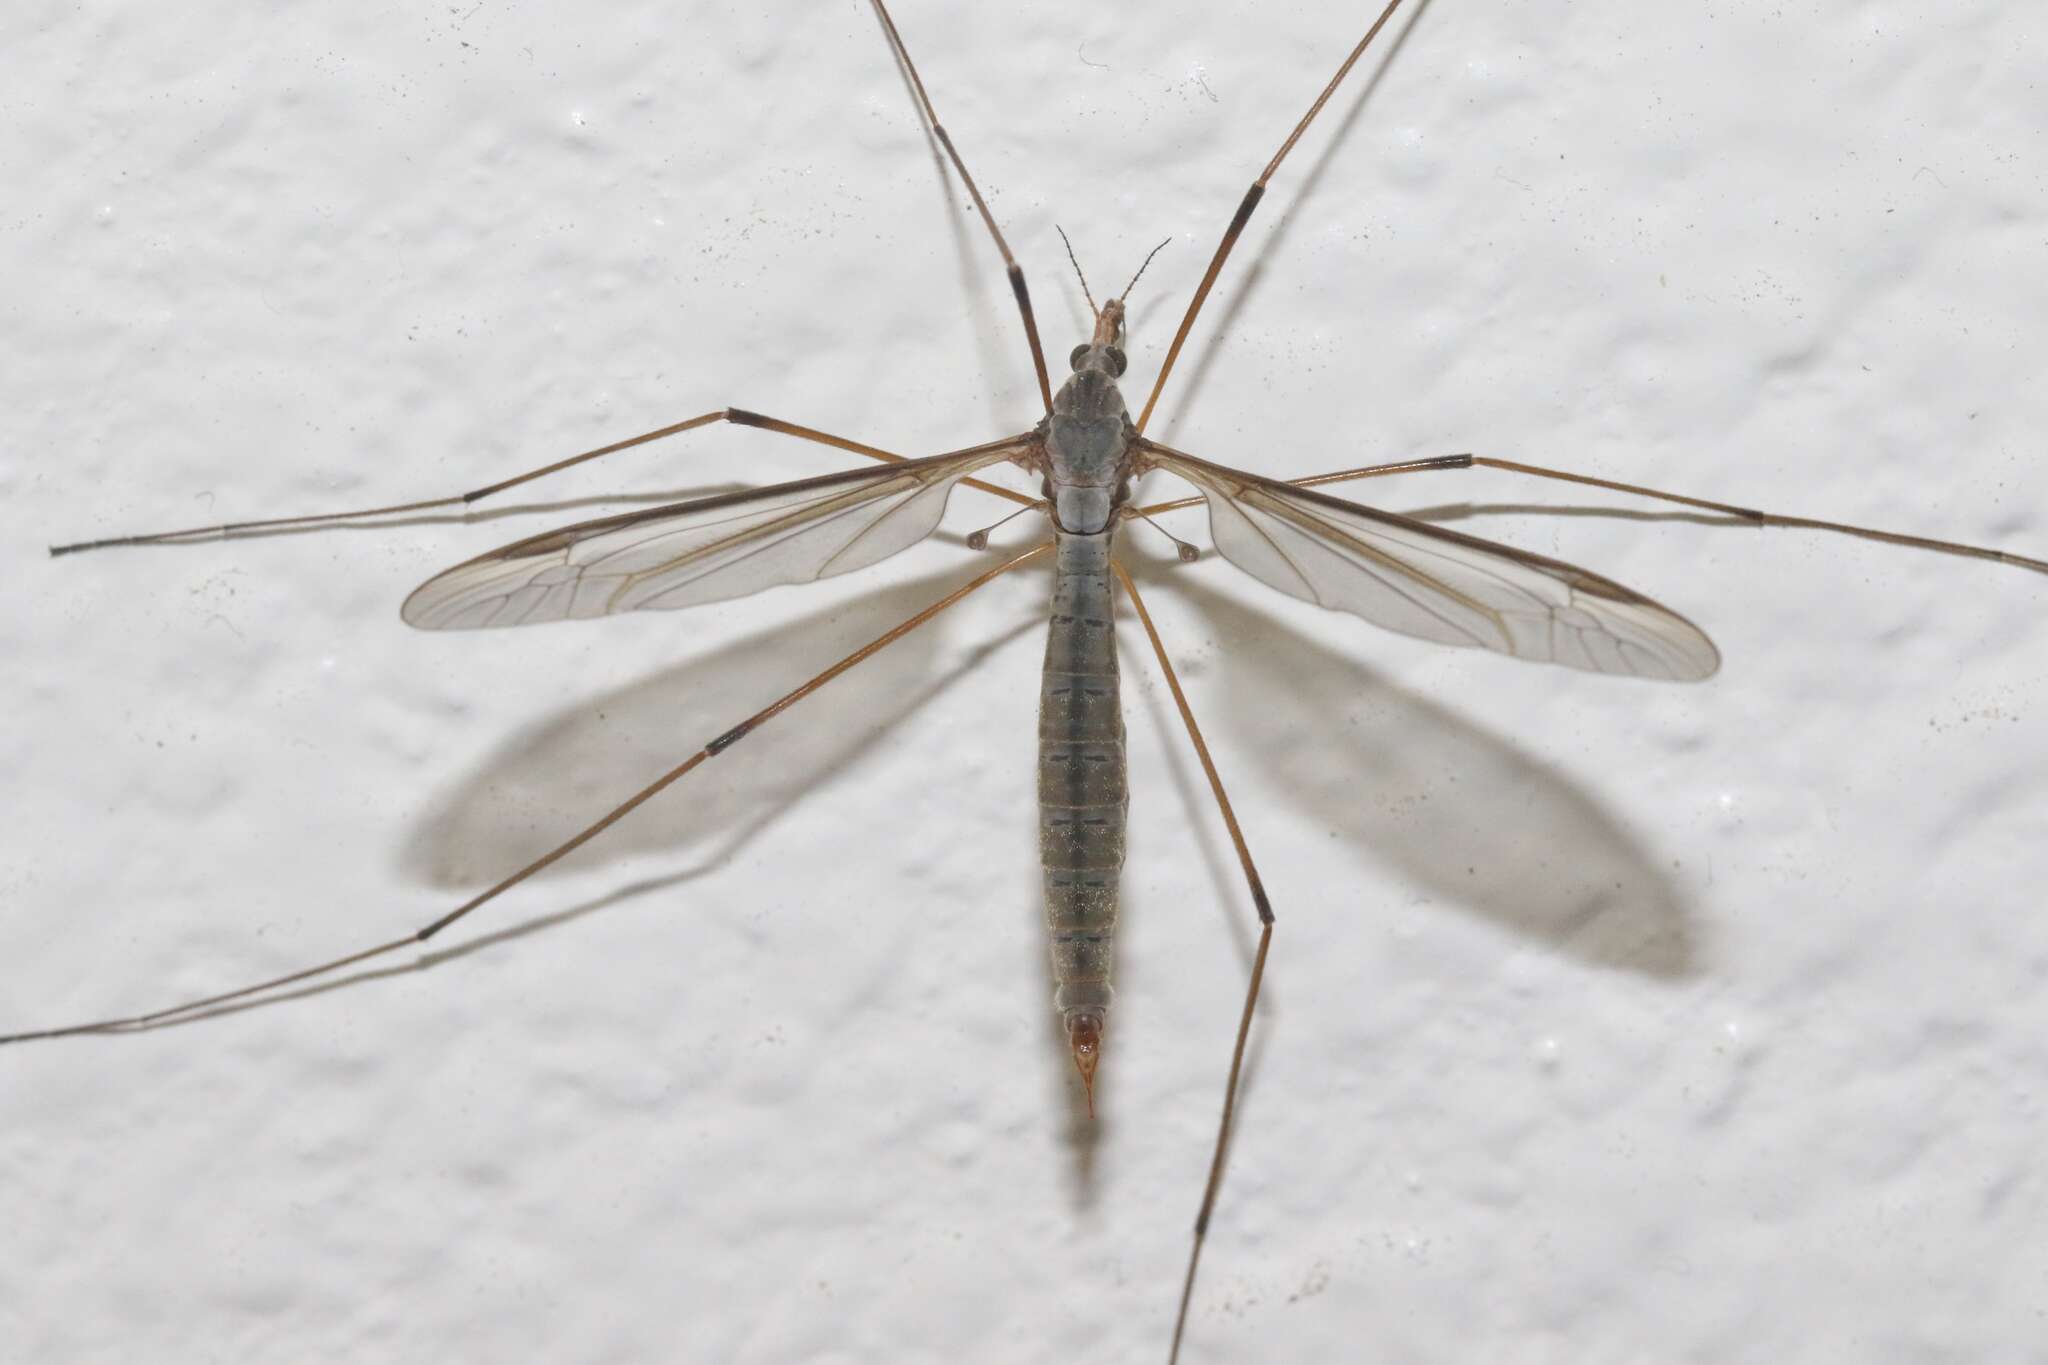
[1436, 584]
[705, 550]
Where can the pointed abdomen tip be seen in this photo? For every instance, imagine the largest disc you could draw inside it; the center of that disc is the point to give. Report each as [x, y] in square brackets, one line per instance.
[1084, 1036]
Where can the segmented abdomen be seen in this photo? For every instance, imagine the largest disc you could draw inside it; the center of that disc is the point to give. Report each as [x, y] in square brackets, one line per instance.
[1082, 793]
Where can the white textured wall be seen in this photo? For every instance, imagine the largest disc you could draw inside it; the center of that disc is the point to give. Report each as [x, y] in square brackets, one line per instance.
[1607, 1022]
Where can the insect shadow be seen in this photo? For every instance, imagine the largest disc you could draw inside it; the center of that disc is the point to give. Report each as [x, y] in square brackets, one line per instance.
[506, 810]
[1459, 811]
[1273, 246]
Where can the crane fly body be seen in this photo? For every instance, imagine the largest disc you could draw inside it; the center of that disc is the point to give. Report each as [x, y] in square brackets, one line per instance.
[1353, 754]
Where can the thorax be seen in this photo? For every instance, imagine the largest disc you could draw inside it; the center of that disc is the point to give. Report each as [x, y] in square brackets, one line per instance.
[1088, 450]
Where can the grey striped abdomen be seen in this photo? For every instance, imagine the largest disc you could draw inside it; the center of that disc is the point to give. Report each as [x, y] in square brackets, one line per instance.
[1081, 789]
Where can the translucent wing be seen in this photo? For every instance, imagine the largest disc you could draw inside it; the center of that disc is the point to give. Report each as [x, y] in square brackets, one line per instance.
[705, 550]
[1438, 585]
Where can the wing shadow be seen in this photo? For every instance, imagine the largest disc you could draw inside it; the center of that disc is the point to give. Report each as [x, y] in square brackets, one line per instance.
[468, 829]
[1457, 810]
[566, 768]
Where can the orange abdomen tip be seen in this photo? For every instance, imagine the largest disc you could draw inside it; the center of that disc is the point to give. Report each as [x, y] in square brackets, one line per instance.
[1084, 1035]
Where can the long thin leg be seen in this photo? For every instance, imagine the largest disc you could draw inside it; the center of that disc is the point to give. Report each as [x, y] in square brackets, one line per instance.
[1251, 995]
[1015, 271]
[737, 416]
[1752, 515]
[1249, 203]
[1747, 514]
[180, 1013]
[1310, 481]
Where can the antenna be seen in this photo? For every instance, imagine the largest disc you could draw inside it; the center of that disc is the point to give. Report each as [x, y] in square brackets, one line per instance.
[1077, 270]
[1141, 268]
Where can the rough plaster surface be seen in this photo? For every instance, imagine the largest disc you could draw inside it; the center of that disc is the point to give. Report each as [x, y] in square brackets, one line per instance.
[1607, 1022]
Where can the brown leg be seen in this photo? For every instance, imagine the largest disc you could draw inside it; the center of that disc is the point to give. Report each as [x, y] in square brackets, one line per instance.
[1251, 996]
[737, 416]
[1247, 205]
[1369, 471]
[1750, 515]
[1015, 271]
[195, 1009]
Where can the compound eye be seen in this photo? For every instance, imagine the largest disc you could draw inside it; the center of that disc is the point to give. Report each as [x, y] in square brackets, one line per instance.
[1080, 354]
[1116, 360]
